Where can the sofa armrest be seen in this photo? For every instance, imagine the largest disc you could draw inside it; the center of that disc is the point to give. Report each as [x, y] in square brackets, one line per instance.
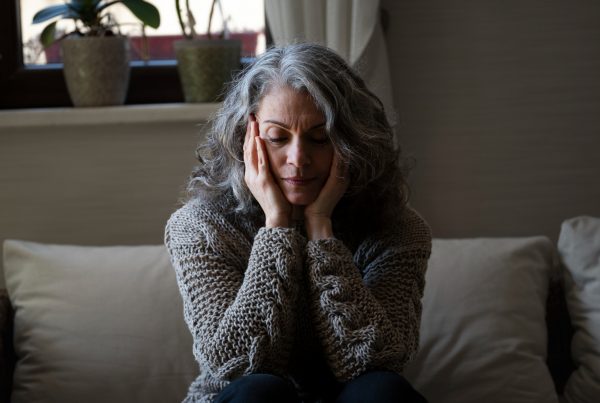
[7, 354]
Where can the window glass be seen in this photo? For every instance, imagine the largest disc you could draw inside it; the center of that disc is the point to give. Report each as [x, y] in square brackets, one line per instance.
[242, 19]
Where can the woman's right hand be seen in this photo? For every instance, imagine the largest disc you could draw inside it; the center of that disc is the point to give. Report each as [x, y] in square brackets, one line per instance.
[260, 181]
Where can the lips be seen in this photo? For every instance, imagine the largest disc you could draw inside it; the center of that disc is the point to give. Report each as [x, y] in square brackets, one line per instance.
[296, 181]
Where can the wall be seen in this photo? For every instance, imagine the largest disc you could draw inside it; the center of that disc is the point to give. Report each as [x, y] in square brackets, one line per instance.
[499, 103]
[95, 176]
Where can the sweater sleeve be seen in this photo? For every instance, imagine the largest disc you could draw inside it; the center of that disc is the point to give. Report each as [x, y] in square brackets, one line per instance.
[367, 307]
[238, 297]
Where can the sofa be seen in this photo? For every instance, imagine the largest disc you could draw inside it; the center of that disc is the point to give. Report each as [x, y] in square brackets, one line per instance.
[505, 319]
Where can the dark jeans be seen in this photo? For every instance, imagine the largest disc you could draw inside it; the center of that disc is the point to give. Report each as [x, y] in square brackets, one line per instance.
[374, 386]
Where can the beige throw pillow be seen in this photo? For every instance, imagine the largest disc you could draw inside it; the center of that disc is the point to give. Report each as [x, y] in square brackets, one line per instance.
[97, 324]
[483, 332]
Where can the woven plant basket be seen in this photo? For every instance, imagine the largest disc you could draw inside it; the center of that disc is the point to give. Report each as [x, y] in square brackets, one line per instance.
[205, 66]
[96, 69]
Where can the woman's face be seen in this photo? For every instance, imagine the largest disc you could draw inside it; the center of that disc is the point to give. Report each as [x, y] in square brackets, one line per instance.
[297, 144]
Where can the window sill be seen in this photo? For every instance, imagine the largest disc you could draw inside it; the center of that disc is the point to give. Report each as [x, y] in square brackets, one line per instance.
[127, 114]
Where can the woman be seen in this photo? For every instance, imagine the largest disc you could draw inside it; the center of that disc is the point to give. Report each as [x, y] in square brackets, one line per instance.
[300, 266]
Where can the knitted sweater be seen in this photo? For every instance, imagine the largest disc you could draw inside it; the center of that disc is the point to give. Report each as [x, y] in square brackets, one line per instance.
[260, 299]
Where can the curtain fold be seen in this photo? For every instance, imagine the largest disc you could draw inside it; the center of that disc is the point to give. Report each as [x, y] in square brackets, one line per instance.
[350, 27]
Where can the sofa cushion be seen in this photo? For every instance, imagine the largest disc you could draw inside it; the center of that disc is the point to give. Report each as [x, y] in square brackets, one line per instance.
[483, 332]
[579, 247]
[96, 324]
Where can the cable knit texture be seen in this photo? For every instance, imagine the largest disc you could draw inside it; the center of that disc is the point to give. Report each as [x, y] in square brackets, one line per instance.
[262, 299]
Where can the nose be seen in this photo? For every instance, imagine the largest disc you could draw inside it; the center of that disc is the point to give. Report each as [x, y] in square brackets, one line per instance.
[298, 154]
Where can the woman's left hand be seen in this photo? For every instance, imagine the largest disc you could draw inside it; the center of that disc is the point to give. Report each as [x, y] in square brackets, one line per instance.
[317, 215]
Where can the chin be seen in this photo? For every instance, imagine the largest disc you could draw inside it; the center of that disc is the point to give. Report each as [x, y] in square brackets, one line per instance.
[300, 199]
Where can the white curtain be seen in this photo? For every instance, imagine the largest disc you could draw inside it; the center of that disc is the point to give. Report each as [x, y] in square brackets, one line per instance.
[350, 27]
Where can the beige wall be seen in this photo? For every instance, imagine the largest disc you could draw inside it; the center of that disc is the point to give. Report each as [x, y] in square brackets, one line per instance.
[499, 102]
[105, 184]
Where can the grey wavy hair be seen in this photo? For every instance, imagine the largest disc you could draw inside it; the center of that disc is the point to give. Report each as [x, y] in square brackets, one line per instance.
[356, 124]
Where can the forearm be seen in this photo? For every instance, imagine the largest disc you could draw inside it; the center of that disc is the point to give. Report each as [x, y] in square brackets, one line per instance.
[241, 318]
[355, 329]
[254, 333]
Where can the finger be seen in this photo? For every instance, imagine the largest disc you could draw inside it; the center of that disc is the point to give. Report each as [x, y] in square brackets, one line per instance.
[338, 176]
[251, 158]
[247, 138]
[335, 162]
[250, 131]
[263, 163]
[343, 178]
[254, 129]
[341, 169]
[343, 172]
[334, 170]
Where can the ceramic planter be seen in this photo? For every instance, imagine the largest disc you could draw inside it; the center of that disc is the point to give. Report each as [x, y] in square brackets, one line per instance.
[205, 65]
[96, 69]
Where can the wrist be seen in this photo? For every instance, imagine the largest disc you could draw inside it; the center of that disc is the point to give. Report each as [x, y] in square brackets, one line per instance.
[277, 221]
[319, 228]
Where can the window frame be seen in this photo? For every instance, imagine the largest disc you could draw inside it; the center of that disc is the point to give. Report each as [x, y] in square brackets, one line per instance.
[44, 86]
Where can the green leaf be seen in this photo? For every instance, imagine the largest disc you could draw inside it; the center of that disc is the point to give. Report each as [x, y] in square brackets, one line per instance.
[85, 3]
[77, 5]
[47, 36]
[50, 12]
[144, 11]
[84, 7]
[85, 11]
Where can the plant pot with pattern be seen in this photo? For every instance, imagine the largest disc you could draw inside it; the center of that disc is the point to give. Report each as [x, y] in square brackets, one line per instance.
[95, 55]
[204, 65]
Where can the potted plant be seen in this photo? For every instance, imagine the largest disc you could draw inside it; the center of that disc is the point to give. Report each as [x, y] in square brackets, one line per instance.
[204, 65]
[95, 54]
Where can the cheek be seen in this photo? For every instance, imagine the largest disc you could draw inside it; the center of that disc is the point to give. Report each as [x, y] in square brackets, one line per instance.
[274, 156]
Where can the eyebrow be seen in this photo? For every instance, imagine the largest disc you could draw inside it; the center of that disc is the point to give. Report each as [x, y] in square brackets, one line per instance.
[275, 122]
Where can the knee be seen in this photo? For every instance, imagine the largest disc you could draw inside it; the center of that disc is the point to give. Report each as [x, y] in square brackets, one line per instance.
[263, 388]
[379, 386]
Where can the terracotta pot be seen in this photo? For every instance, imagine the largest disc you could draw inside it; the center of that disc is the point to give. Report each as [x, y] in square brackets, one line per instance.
[205, 66]
[96, 69]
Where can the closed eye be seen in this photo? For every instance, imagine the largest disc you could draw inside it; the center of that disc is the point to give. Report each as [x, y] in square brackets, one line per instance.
[276, 140]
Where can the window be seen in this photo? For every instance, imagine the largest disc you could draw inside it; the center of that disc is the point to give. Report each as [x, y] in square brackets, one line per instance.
[31, 77]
